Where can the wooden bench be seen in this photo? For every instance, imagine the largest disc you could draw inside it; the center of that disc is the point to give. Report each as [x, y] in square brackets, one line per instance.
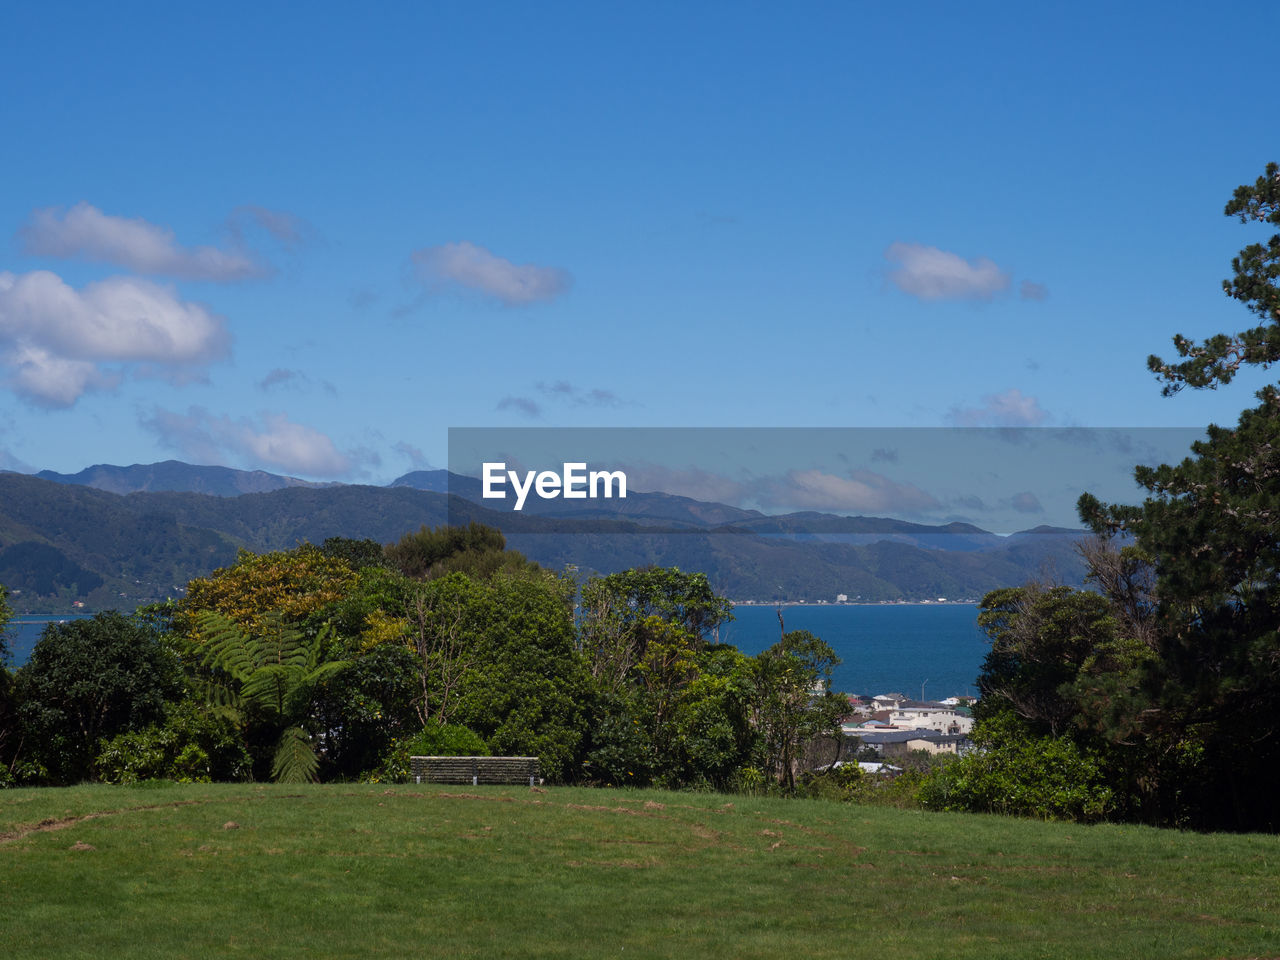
[474, 770]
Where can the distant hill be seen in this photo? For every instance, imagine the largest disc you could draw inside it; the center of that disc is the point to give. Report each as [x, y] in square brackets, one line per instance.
[174, 475]
[433, 481]
[64, 540]
[639, 506]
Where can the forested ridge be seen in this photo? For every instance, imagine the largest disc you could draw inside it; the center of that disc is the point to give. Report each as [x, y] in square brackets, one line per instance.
[60, 543]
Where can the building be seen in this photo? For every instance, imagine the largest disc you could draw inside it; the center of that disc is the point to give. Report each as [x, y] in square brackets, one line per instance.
[930, 715]
[898, 743]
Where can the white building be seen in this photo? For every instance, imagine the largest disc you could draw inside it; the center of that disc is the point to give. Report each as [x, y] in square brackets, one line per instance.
[929, 715]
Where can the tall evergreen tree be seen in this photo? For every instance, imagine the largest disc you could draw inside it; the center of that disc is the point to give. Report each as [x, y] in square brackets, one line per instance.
[1210, 529]
[1256, 284]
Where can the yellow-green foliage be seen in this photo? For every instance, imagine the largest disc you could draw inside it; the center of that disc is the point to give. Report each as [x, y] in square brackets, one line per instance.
[296, 583]
[380, 627]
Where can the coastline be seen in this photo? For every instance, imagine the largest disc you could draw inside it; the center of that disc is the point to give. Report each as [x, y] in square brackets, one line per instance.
[855, 603]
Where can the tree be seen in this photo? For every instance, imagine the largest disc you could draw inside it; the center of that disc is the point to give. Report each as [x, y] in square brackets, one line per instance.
[193, 744]
[1064, 679]
[294, 584]
[364, 710]
[1211, 689]
[88, 680]
[620, 611]
[357, 553]
[499, 657]
[476, 550]
[1040, 638]
[671, 704]
[709, 737]
[1256, 284]
[375, 610]
[443, 624]
[1208, 697]
[792, 703]
[1050, 778]
[6, 613]
[8, 706]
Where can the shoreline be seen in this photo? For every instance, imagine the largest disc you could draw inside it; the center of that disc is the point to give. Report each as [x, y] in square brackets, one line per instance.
[855, 603]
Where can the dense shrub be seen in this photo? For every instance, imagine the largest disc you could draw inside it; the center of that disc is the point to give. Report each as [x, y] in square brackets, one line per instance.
[620, 752]
[1048, 778]
[518, 679]
[844, 783]
[361, 712]
[89, 680]
[899, 787]
[433, 740]
[192, 745]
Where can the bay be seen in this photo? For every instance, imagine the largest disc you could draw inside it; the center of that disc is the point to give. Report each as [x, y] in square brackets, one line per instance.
[883, 648]
[25, 629]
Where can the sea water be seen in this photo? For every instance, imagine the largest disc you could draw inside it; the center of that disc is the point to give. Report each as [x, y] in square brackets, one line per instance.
[25, 629]
[934, 649]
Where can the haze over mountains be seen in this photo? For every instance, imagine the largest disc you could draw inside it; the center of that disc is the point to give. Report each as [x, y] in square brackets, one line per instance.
[116, 536]
[176, 476]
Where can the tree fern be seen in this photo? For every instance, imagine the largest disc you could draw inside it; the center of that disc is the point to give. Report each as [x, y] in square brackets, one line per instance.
[271, 676]
[295, 760]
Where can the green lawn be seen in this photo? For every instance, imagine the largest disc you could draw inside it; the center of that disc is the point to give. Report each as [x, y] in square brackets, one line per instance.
[267, 871]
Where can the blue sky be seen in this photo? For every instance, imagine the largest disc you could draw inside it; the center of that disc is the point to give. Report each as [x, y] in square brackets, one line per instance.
[313, 241]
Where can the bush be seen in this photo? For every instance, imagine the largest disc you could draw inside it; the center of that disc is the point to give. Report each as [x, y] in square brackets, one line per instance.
[89, 680]
[1048, 778]
[434, 740]
[191, 746]
[521, 684]
[621, 752]
[844, 783]
[900, 789]
[362, 711]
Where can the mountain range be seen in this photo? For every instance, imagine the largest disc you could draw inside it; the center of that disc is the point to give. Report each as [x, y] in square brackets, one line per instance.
[115, 536]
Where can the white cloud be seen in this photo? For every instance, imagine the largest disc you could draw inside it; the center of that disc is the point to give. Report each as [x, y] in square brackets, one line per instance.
[1026, 502]
[273, 442]
[12, 463]
[85, 231]
[473, 267]
[1009, 409]
[1030, 290]
[417, 459]
[933, 274]
[860, 490]
[53, 381]
[55, 339]
[690, 481]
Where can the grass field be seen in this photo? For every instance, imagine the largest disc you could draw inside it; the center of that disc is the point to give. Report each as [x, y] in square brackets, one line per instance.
[268, 871]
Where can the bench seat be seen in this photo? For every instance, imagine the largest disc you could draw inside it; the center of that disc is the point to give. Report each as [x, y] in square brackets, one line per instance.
[474, 770]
